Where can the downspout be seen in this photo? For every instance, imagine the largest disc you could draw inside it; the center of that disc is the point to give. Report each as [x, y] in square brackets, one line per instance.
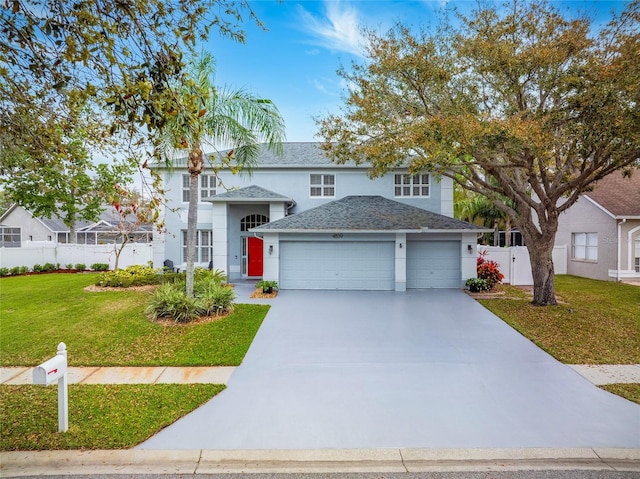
[624, 220]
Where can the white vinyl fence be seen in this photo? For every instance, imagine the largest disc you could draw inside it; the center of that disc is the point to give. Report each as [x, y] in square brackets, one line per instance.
[32, 253]
[515, 264]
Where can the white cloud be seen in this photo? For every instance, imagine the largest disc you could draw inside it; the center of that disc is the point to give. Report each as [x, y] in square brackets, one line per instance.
[338, 30]
[313, 52]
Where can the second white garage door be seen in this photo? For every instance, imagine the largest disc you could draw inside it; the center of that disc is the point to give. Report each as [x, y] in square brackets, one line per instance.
[433, 264]
[339, 265]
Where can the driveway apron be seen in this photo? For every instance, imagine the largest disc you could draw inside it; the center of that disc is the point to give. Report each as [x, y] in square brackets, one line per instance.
[419, 369]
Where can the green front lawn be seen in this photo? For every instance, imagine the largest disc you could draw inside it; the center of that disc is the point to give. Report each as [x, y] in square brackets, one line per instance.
[100, 416]
[109, 328]
[595, 322]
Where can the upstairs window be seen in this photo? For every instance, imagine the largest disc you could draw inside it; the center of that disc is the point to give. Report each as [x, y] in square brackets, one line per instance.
[584, 246]
[322, 186]
[408, 185]
[185, 188]
[207, 186]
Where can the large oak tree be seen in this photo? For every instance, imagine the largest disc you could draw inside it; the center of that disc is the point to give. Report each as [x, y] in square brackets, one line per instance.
[517, 102]
[99, 71]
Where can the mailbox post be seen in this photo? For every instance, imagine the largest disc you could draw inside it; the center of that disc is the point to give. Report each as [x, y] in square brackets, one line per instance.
[56, 369]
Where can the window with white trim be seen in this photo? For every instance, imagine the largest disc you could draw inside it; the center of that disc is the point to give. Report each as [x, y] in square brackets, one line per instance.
[204, 246]
[584, 246]
[637, 262]
[322, 186]
[207, 186]
[411, 185]
[185, 188]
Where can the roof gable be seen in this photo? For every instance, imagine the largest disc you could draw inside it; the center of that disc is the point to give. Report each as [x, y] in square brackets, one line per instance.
[617, 194]
[251, 193]
[366, 213]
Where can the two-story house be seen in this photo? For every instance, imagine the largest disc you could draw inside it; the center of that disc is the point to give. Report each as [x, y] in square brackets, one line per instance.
[309, 223]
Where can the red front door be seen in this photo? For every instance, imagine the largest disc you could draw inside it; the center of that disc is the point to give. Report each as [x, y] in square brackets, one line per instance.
[254, 256]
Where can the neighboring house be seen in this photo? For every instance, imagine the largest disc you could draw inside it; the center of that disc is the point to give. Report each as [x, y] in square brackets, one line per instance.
[309, 223]
[24, 227]
[602, 230]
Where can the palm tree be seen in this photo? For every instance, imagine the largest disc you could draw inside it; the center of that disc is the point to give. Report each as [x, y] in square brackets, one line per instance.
[480, 210]
[213, 117]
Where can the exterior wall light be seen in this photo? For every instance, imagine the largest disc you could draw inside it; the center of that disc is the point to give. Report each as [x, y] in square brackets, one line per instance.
[270, 249]
[470, 249]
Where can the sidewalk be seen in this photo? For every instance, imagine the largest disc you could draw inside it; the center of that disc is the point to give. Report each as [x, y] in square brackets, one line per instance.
[597, 374]
[127, 375]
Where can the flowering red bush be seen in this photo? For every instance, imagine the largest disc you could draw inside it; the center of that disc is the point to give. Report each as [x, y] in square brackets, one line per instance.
[489, 271]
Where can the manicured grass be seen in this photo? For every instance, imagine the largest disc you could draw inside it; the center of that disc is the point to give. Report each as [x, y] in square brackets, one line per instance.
[597, 322]
[110, 328]
[100, 416]
[628, 391]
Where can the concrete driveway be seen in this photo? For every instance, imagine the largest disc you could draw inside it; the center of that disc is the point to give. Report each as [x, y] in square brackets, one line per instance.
[421, 369]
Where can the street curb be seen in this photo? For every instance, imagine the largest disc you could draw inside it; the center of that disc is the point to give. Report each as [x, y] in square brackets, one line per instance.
[31, 463]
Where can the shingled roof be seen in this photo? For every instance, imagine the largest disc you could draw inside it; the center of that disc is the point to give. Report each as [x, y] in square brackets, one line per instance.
[617, 194]
[366, 214]
[294, 155]
[250, 193]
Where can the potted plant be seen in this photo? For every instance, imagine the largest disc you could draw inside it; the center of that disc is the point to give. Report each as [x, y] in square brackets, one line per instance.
[267, 286]
[477, 285]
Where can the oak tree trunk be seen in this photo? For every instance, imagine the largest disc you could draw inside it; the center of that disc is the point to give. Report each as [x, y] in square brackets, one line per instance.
[540, 246]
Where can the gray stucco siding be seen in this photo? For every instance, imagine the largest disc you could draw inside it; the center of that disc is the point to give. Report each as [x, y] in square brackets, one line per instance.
[585, 217]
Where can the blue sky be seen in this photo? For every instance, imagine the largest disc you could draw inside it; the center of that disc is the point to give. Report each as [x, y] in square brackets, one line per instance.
[294, 62]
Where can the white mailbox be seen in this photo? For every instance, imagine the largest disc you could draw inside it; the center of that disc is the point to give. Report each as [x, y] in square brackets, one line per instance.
[55, 369]
[51, 370]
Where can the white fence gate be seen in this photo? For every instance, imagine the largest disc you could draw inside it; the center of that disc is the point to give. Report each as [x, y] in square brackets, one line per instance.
[32, 253]
[515, 265]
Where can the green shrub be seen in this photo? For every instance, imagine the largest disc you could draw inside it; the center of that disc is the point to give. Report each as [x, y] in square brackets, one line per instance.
[217, 299]
[50, 267]
[23, 269]
[37, 268]
[267, 285]
[134, 275]
[15, 270]
[81, 266]
[477, 285]
[100, 266]
[4, 271]
[215, 275]
[68, 266]
[171, 301]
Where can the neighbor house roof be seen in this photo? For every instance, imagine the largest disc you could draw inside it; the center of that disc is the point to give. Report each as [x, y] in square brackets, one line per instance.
[618, 194]
[56, 225]
[250, 193]
[294, 155]
[367, 214]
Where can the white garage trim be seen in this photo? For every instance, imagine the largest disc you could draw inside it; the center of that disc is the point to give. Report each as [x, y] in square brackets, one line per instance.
[433, 264]
[337, 265]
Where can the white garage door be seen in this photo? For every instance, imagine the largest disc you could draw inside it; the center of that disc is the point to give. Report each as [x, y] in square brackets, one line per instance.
[433, 264]
[339, 265]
